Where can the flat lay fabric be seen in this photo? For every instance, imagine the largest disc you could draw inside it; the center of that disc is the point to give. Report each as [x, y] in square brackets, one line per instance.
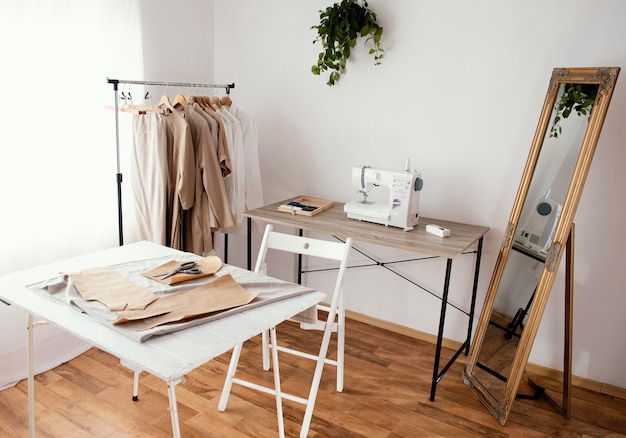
[60, 288]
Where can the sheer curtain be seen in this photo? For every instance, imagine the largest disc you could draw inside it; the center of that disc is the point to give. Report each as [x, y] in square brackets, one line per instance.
[58, 165]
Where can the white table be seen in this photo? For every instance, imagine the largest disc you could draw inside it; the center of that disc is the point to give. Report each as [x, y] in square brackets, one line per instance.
[168, 357]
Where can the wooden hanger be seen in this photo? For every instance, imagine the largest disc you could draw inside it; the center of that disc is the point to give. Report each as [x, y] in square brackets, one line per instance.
[136, 109]
[165, 102]
[215, 101]
[179, 99]
[226, 101]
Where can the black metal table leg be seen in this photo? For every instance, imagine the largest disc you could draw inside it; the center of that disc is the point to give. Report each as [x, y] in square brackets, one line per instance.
[437, 375]
[479, 251]
[442, 318]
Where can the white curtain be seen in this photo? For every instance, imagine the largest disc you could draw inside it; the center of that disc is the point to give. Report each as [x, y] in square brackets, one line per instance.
[58, 164]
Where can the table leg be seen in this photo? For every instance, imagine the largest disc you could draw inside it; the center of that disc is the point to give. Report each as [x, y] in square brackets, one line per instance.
[479, 251]
[442, 318]
[31, 376]
[171, 390]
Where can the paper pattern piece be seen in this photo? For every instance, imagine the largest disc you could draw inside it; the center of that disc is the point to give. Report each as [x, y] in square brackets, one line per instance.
[208, 265]
[220, 294]
[111, 289]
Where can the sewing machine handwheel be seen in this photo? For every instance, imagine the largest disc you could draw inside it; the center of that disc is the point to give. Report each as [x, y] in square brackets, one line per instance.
[419, 183]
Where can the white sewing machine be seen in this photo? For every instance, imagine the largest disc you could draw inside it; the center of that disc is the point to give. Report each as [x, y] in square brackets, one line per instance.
[402, 208]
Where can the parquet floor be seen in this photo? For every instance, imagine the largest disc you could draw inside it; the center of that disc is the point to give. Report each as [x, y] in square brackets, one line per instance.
[387, 385]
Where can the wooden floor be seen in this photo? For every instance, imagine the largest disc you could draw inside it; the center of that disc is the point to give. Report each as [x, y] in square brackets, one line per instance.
[387, 385]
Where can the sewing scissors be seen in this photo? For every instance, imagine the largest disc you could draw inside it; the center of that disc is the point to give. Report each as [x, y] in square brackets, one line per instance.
[184, 268]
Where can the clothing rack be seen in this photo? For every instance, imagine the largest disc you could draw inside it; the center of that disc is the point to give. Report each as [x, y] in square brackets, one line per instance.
[118, 176]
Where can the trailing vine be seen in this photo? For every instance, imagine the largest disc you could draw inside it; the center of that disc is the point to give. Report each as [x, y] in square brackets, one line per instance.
[578, 98]
[340, 26]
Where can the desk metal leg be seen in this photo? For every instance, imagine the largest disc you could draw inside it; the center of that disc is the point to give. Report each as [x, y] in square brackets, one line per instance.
[442, 318]
[479, 251]
[437, 375]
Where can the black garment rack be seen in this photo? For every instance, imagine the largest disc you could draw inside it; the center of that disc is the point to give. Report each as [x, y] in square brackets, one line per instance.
[118, 175]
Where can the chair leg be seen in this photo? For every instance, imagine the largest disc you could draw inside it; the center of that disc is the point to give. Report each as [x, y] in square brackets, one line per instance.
[317, 376]
[228, 383]
[279, 395]
[341, 341]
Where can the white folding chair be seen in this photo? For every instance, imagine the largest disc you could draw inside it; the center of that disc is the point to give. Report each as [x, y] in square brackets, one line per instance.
[337, 251]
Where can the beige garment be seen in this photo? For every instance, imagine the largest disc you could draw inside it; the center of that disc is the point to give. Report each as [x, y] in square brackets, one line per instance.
[213, 127]
[223, 154]
[209, 189]
[220, 294]
[182, 174]
[111, 289]
[149, 177]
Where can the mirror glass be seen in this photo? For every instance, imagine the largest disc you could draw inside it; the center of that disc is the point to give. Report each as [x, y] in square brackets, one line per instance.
[544, 202]
[542, 215]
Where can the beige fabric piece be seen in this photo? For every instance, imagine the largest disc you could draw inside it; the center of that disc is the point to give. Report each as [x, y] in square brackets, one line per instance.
[208, 265]
[111, 289]
[220, 294]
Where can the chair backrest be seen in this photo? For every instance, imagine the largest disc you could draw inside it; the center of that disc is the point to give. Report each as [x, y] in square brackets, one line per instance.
[306, 246]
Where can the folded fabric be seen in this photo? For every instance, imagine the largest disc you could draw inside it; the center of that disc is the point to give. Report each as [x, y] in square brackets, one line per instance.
[207, 265]
[112, 289]
[220, 294]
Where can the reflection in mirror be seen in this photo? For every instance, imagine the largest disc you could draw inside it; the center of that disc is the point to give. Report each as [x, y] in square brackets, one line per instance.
[554, 170]
[539, 225]
[506, 322]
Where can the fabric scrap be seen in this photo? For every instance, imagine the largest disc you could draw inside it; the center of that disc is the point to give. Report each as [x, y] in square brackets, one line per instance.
[220, 294]
[112, 289]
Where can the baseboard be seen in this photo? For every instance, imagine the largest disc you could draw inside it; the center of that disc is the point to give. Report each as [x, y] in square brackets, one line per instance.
[542, 371]
[581, 382]
[401, 329]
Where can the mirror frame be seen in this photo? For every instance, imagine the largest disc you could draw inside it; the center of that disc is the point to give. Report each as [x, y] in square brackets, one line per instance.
[606, 78]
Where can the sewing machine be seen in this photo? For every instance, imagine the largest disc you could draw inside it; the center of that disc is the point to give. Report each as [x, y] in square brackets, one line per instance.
[402, 208]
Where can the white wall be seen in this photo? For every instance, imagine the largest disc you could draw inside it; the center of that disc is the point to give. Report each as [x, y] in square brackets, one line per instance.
[459, 93]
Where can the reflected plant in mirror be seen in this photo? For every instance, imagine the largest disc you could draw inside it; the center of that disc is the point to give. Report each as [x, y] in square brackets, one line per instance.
[578, 98]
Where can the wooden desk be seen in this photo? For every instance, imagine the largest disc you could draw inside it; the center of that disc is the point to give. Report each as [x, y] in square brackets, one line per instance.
[334, 222]
[169, 356]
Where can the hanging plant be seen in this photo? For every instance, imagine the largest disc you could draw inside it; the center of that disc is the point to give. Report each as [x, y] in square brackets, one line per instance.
[578, 98]
[339, 27]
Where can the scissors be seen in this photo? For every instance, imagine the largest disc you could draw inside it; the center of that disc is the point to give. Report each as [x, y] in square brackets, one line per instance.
[185, 268]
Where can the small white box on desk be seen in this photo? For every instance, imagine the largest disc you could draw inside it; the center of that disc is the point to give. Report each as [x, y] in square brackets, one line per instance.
[437, 230]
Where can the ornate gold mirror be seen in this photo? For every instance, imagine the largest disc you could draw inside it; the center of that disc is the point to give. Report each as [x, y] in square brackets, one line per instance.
[539, 230]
